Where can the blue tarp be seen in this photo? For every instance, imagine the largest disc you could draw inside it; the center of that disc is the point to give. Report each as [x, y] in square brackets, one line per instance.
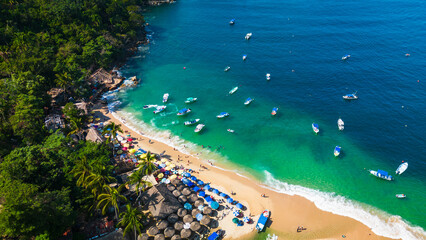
[183, 110]
[213, 236]
[383, 173]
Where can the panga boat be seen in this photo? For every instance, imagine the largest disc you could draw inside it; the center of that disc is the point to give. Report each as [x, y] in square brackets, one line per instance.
[190, 100]
[244, 57]
[315, 127]
[340, 124]
[184, 111]
[274, 111]
[401, 195]
[346, 57]
[248, 36]
[199, 128]
[191, 122]
[260, 225]
[352, 96]
[233, 90]
[232, 21]
[227, 68]
[230, 130]
[337, 151]
[381, 174]
[401, 168]
[222, 115]
[165, 97]
[268, 76]
[159, 109]
[248, 101]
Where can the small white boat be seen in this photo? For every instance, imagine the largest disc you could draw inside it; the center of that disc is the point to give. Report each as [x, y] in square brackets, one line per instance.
[346, 57]
[340, 124]
[352, 96]
[190, 100]
[184, 111]
[165, 97]
[381, 174]
[248, 101]
[233, 90]
[268, 76]
[401, 195]
[230, 130]
[199, 128]
[248, 36]
[244, 57]
[232, 22]
[222, 115]
[274, 111]
[149, 106]
[402, 168]
[337, 151]
[159, 109]
[191, 122]
[227, 68]
[315, 127]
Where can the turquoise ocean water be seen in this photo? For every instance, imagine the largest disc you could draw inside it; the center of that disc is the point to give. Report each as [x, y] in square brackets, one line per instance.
[301, 44]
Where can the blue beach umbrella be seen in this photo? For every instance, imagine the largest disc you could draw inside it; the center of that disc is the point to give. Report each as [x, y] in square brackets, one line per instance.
[196, 189]
[208, 199]
[187, 175]
[214, 205]
[202, 194]
[199, 217]
[193, 178]
[229, 200]
[190, 184]
[187, 206]
[207, 187]
[162, 165]
[236, 213]
[246, 219]
[239, 205]
[185, 181]
[200, 182]
[215, 191]
[223, 195]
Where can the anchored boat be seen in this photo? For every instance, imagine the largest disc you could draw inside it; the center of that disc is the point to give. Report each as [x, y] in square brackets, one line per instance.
[401, 168]
[230, 130]
[244, 57]
[337, 151]
[232, 21]
[268, 76]
[352, 96]
[315, 127]
[260, 225]
[227, 68]
[248, 101]
[346, 57]
[159, 109]
[191, 122]
[381, 174]
[274, 111]
[340, 124]
[190, 100]
[184, 112]
[248, 36]
[400, 195]
[233, 90]
[199, 128]
[222, 115]
[165, 97]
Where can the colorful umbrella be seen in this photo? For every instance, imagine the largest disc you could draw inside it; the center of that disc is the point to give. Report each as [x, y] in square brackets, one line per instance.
[187, 206]
[193, 178]
[196, 189]
[201, 207]
[202, 194]
[207, 187]
[126, 145]
[186, 225]
[164, 160]
[131, 151]
[239, 205]
[246, 219]
[223, 195]
[214, 205]
[186, 175]
[163, 165]
[124, 149]
[229, 200]
[190, 184]
[130, 140]
[215, 191]
[161, 175]
[200, 182]
[173, 177]
[235, 220]
[199, 217]
[236, 213]
[208, 199]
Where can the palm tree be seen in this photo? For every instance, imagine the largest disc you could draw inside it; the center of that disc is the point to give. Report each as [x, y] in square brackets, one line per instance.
[82, 170]
[76, 126]
[112, 129]
[131, 220]
[96, 181]
[110, 198]
[148, 166]
[137, 178]
[63, 80]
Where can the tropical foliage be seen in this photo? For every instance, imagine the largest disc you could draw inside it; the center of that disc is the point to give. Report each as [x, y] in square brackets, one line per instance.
[147, 165]
[131, 221]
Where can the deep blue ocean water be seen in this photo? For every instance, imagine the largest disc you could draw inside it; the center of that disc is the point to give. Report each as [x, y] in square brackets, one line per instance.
[301, 44]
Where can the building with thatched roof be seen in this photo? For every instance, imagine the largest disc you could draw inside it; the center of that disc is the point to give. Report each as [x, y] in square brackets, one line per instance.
[94, 136]
[104, 79]
[160, 201]
[83, 106]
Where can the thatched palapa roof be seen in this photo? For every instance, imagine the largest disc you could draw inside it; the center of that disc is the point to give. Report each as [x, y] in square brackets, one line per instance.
[94, 136]
[160, 201]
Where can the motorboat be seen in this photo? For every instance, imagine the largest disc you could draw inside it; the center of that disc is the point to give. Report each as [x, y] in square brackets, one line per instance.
[190, 100]
[315, 127]
[248, 101]
[337, 151]
[227, 68]
[233, 90]
[159, 109]
[268, 76]
[232, 22]
[263, 218]
[381, 174]
[244, 57]
[165, 97]
[340, 124]
[230, 130]
[248, 36]
[199, 128]
[346, 57]
[191, 122]
[402, 168]
[400, 195]
[222, 115]
[274, 111]
[149, 106]
[352, 96]
[184, 112]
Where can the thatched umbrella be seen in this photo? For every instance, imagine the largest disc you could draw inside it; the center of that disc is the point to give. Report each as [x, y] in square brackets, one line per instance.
[152, 231]
[185, 233]
[182, 199]
[205, 220]
[178, 226]
[176, 237]
[176, 181]
[195, 226]
[198, 203]
[159, 237]
[214, 223]
[181, 212]
[193, 197]
[180, 187]
[143, 236]
[207, 210]
[176, 193]
[169, 232]
[170, 187]
[186, 191]
[195, 211]
[172, 218]
[187, 219]
[162, 224]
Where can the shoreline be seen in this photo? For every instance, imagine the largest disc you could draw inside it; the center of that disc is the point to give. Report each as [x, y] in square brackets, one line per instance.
[287, 211]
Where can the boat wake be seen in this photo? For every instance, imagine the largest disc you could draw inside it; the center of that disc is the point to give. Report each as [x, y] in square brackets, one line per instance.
[380, 222]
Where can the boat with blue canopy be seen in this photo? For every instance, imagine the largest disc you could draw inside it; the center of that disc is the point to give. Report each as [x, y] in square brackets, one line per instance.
[260, 225]
[190, 100]
[346, 57]
[222, 115]
[248, 101]
[184, 111]
[337, 151]
[244, 57]
[315, 127]
[159, 109]
[352, 96]
[274, 111]
[165, 97]
[232, 22]
[381, 174]
[191, 122]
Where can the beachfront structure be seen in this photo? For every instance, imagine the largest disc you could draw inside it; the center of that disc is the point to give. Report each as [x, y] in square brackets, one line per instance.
[94, 136]
[103, 79]
[160, 201]
[54, 122]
